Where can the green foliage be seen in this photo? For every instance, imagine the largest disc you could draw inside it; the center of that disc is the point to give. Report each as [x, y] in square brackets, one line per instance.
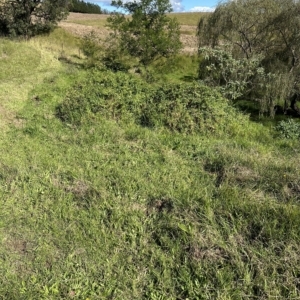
[148, 33]
[187, 108]
[28, 17]
[90, 46]
[243, 78]
[233, 77]
[113, 95]
[190, 108]
[289, 129]
[264, 29]
[79, 6]
[253, 27]
[272, 89]
[104, 54]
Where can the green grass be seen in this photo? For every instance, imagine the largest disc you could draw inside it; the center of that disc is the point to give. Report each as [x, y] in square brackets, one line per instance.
[183, 68]
[191, 19]
[113, 210]
[23, 66]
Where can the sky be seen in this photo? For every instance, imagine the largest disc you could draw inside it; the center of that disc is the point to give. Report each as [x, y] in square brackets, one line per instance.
[178, 5]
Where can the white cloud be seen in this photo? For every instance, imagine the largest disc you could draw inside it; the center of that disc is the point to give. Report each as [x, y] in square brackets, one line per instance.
[177, 5]
[202, 9]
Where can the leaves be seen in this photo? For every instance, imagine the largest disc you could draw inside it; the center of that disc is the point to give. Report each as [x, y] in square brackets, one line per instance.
[28, 17]
[149, 33]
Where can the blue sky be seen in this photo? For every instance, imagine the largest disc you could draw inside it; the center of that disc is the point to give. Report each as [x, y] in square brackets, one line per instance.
[178, 5]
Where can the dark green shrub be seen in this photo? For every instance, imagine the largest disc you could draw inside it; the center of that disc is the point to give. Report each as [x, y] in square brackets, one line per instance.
[28, 18]
[113, 95]
[289, 129]
[187, 108]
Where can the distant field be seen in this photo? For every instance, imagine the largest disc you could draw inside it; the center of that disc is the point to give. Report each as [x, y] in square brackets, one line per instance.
[81, 24]
[189, 18]
[87, 19]
[100, 20]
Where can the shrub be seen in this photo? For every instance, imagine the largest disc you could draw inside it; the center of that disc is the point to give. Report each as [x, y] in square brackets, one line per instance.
[149, 33]
[28, 18]
[113, 95]
[232, 77]
[188, 108]
[289, 129]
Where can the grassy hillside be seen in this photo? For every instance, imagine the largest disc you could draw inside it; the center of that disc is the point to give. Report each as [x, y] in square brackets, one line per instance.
[99, 21]
[96, 204]
[190, 19]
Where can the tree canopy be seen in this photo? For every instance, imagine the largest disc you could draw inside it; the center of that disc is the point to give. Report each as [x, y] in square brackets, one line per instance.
[268, 27]
[148, 33]
[80, 6]
[30, 17]
[267, 30]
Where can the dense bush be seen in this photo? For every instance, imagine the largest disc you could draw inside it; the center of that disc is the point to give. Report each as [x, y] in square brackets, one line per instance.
[28, 18]
[188, 107]
[115, 95]
[232, 77]
[243, 78]
[104, 54]
[289, 129]
[262, 35]
[149, 34]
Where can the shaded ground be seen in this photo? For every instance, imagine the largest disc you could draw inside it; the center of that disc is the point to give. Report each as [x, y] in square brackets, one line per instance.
[82, 24]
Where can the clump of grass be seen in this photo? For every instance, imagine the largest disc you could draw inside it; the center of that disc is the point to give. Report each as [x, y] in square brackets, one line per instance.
[288, 129]
[22, 66]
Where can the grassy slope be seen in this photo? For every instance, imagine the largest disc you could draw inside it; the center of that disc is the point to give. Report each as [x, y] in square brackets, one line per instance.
[115, 211]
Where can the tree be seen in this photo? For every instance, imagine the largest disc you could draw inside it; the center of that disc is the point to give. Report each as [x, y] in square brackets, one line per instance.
[268, 27]
[30, 17]
[148, 33]
[80, 6]
[264, 29]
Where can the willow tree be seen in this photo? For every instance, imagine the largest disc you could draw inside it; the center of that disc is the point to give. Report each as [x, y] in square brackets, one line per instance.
[259, 29]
